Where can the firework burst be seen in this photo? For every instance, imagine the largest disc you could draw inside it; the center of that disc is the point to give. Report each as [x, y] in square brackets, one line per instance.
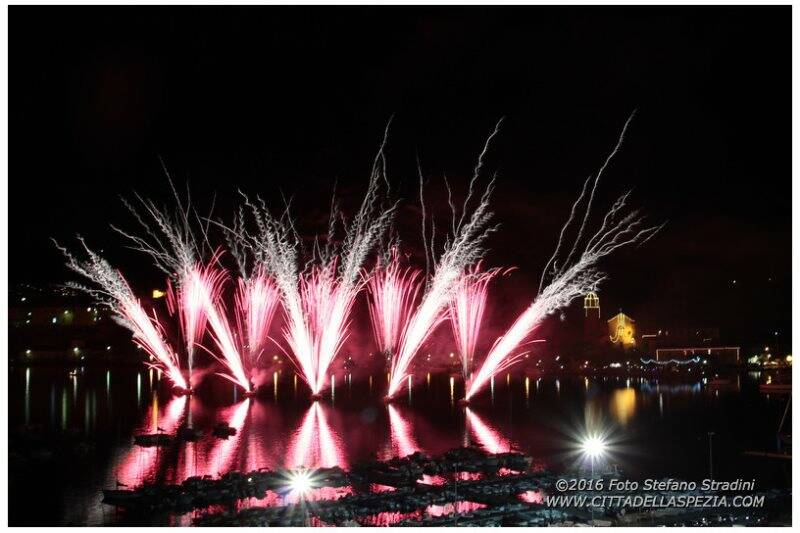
[318, 297]
[113, 291]
[173, 244]
[466, 312]
[568, 275]
[208, 282]
[392, 293]
[463, 247]
[188, 303]
[256, 301]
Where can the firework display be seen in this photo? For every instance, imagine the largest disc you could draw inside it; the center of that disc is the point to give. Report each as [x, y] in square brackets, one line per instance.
[466, 313]
[112, 290]
[569, 275]
[317, 287]
[392, 294]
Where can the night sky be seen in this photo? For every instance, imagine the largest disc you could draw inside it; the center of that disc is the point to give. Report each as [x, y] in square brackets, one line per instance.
[271, 99]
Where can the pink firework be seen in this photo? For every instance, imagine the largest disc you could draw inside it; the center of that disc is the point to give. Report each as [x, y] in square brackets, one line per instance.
[113, 290]
[188, 302]
[466, 312]
[148, 333]
[392, 293]
[318, 322]
[463, 247]
[502, 354]
[571, 271]
[256, 301]
[208, 282]
[431, 312]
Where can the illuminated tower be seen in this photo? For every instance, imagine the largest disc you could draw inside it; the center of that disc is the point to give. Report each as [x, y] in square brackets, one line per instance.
[591, 305]
[593, 327]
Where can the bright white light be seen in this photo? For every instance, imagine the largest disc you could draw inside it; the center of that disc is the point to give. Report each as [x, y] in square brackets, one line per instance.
[594, 446]
[300, 481]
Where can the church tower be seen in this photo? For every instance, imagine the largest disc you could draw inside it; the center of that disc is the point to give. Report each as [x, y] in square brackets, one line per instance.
[593, 327]
[591, 305]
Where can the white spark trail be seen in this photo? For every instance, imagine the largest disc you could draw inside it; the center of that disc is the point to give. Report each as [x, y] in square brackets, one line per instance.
[463, 248]
[317, 298]
[577, 274]
[171, 241]
[113, 291]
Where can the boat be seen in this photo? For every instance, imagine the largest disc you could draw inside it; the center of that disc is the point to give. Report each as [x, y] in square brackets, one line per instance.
[190, 434]
[223, 430]
[153, 439]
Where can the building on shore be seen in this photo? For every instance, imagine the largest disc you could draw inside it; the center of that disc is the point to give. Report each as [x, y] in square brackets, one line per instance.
[622, 330]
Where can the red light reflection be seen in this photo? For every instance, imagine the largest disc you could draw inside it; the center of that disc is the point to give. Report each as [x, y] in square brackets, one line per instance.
[403, 442]
[314, 444]
[449, 508]
[139, 462]
[489, 438]
[531, 496]
[222, 455]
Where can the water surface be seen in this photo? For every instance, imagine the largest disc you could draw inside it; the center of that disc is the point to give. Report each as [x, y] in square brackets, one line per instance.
[655, 429]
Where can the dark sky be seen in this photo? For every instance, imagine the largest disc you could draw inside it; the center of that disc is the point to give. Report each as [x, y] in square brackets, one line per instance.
[271, 99]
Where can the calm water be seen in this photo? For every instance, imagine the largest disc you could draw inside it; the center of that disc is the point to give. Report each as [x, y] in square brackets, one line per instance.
[657, 429]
